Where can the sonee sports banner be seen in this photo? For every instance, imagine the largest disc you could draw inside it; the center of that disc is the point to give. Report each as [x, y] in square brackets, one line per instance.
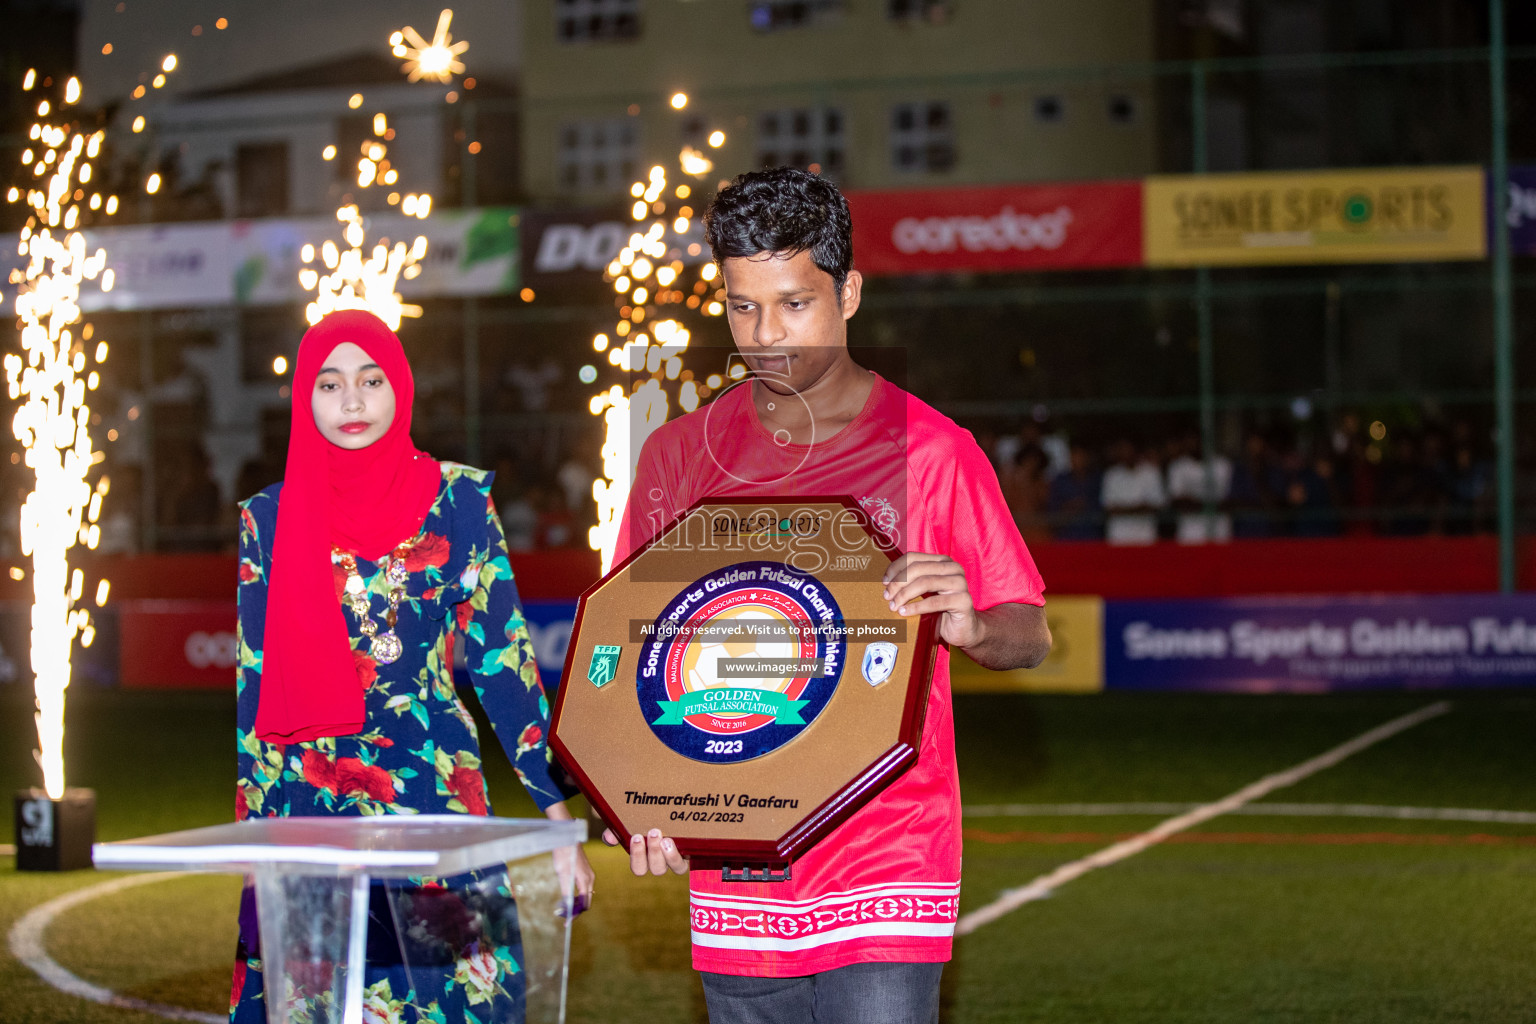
[1387, 215]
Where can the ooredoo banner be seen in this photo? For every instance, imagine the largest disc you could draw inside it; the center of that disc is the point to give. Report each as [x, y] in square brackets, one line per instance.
[998, 229]
[177, 644]
[1237, 645]
[192, 644]
[1305, 645]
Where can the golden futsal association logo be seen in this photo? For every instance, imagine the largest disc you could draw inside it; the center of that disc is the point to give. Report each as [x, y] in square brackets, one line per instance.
[741, 661]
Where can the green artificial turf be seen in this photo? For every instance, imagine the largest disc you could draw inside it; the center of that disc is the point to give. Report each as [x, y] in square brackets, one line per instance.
[1305, 929]
[193, 952]
[1292, 933]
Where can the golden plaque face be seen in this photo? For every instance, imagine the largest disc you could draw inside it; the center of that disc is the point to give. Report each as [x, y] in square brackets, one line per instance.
[741, 683]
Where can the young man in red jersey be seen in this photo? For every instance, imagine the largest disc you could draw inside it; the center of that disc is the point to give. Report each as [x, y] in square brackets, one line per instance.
[810, 421]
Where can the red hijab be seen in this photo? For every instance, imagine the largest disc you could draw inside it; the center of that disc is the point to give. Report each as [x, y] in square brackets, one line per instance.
[367, 501]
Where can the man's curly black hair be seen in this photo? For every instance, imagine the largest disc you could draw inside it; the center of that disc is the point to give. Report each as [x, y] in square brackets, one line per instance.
[783, 211]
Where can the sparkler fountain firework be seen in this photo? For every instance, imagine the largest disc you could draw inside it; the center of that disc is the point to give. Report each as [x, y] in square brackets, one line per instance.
[50, 381]
[367, 281]
[648, 275]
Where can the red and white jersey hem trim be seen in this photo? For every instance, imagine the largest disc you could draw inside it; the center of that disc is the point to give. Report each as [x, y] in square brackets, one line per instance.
[931, 890]
[871, 912]
[882, 929]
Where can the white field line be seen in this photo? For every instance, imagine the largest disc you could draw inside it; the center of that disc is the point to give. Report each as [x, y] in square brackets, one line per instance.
[1042, 887]
[1274, 810]
[26, 941]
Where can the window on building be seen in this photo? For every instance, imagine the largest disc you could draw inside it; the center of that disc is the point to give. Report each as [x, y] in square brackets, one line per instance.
[1049, 109]
[261, 179]
[771, 15]
[922, 137]
[810, 138]
[586, 21]
[934, 11]
[598, 155]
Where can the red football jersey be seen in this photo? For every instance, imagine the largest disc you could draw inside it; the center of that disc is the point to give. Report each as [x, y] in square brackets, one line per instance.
[885, 885]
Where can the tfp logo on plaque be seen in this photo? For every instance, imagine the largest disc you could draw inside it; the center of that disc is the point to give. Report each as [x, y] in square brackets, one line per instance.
[605, 664]
[713, 687]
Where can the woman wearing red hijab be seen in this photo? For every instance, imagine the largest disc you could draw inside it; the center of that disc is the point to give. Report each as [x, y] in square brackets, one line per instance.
[354, 574]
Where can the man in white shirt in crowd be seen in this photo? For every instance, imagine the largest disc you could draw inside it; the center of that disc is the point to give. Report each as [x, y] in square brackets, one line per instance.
[1132, 495]
[1189, 489]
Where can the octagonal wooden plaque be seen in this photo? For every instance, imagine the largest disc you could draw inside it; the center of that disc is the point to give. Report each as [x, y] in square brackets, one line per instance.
[741, 683]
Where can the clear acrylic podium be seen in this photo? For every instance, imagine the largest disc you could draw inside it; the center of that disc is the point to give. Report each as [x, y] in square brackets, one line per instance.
[314, 888]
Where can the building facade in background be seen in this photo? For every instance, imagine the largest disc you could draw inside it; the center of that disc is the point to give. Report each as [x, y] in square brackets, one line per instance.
[238, 129]
[875, 93]
[268, 39]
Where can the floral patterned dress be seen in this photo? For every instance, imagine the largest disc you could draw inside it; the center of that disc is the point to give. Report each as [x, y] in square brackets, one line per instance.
[418, 753]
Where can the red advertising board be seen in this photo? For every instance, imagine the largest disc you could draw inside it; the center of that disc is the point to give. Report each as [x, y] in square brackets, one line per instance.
[188, 640]
[178, 644]
[185, 637]
[998, 228]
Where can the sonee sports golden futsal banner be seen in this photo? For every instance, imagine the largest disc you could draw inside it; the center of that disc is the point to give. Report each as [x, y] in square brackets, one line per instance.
[741, 683]
[1364, 216]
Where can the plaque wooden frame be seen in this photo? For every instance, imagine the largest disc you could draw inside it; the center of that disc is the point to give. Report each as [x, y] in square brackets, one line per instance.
[867, 733]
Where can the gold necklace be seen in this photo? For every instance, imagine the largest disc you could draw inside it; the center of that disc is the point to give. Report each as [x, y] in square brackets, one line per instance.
[385, 648]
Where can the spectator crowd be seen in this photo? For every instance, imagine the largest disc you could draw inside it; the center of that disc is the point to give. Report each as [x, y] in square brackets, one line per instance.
[1359, 479]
